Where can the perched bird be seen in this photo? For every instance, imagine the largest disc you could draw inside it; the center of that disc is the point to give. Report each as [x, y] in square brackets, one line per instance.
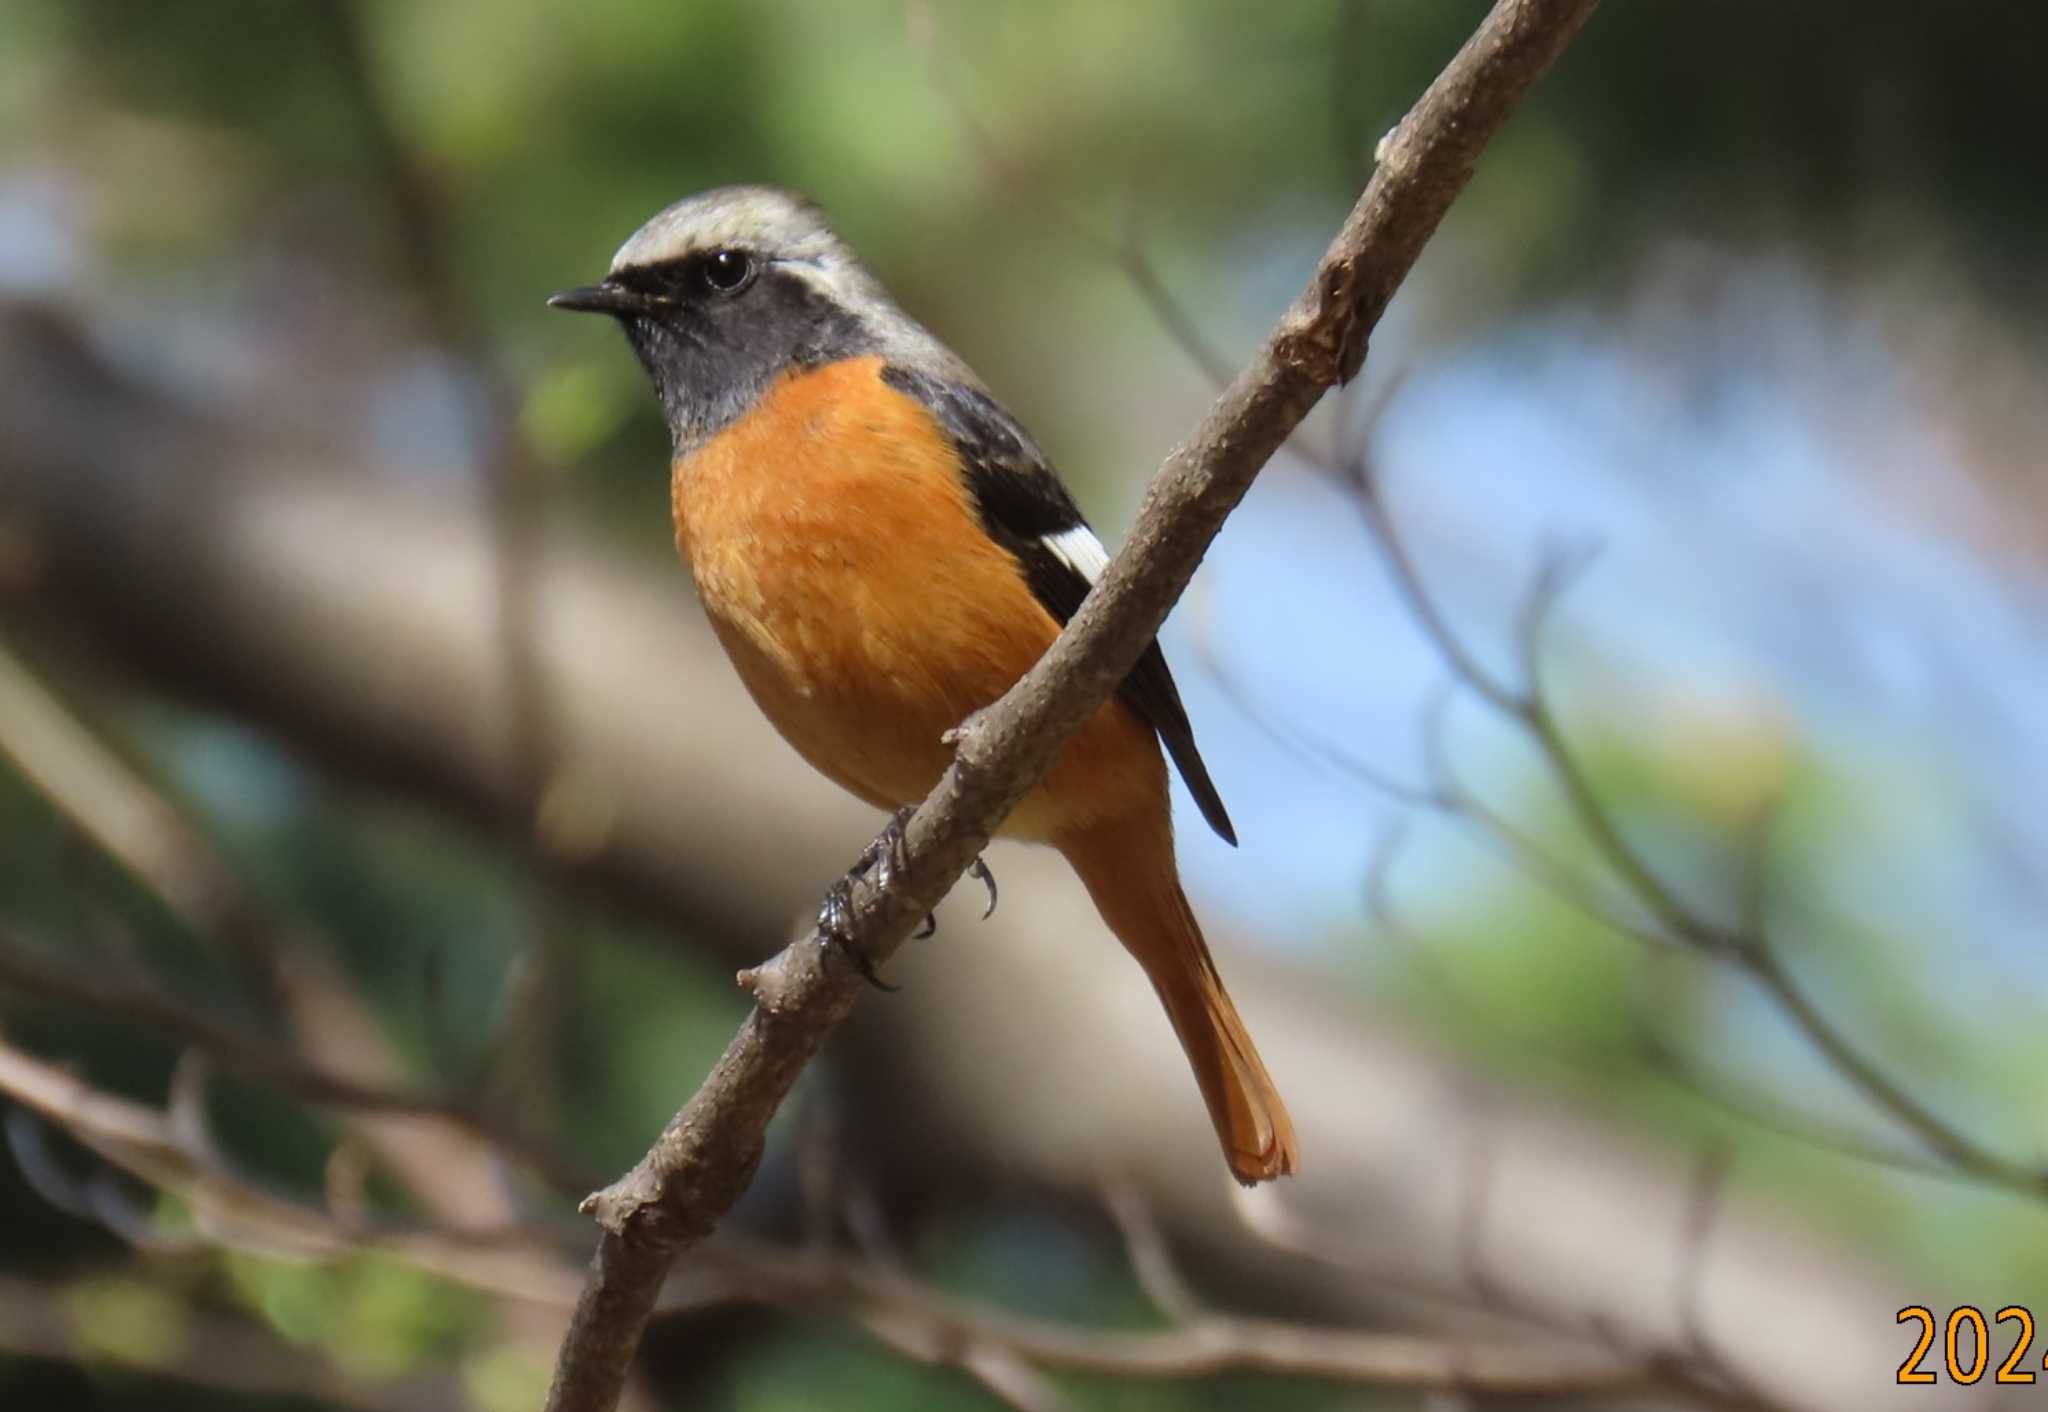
[883, 551]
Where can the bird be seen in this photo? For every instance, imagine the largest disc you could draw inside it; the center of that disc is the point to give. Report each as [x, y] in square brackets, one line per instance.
[883, 550]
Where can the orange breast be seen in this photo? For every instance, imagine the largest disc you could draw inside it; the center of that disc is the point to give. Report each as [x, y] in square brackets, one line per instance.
[845, 570]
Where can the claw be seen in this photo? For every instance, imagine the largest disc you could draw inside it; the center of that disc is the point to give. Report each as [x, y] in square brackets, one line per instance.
[980, 870]
[835, 913]
[884, 852]
[863, 963]
[892, 859]
[835, 929]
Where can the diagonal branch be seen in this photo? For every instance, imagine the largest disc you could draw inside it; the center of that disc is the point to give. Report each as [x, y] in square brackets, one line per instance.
[707, 1155]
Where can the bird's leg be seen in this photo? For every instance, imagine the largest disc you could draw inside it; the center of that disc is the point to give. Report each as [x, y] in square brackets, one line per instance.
[884, 852]
[883, 856]
[979, 867]
[835, 929]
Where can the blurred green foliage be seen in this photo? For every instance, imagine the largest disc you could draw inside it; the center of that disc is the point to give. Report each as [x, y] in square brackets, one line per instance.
[205, 141]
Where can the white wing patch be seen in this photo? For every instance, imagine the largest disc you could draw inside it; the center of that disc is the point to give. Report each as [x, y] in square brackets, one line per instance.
[1080, 550]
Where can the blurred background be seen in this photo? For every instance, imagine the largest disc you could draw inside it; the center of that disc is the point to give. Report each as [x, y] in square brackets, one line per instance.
[1629, 695]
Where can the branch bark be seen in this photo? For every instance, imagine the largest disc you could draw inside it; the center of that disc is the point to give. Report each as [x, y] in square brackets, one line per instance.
[707, 1155]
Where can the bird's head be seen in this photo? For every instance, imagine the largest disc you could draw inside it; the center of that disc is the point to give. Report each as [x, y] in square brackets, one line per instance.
[725, 291]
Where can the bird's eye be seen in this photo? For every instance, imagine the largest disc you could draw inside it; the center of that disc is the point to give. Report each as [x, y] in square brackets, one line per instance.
[727, 271]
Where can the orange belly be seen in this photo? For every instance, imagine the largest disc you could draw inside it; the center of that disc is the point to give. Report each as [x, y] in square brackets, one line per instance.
[845, 570]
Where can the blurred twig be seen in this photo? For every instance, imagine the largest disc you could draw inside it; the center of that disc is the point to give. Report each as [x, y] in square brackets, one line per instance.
[528, 1032]
[1444, 792]
[1667, 919]
[109, 993]
[1690, 1371]
[1759, 1110]
[171, 1150]
[1703, 1214]
[1008, 1353]
[200, 1350]
[1948, 1152]
[132, 824]
[1747, 943]
[707, 1156]
[332, 1048]
[1125, 250]
[924, 1322]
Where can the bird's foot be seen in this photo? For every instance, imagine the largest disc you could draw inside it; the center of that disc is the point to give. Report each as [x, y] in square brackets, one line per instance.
[882, 857]
[835, 930]
[884, 853]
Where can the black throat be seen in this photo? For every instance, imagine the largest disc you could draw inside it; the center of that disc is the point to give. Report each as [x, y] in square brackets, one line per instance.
[711, 356]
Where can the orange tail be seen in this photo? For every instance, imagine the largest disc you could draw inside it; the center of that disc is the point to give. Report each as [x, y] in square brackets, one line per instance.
[1129, 871]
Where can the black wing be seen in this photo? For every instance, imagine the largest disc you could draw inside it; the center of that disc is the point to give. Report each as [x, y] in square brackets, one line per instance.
[1025, 508]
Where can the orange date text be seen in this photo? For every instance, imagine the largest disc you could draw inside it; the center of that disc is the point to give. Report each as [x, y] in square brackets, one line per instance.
[1965, 1347]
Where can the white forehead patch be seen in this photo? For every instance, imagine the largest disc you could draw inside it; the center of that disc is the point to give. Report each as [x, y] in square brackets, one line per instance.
[779, 224]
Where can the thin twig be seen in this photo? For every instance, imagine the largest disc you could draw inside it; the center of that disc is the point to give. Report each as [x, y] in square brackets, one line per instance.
[1793, 1123]
[233, 1211]
[1528, 704]
[1420, 602]
[1152, 1263]
[1011, 1354]
[1124, 251]
[453, 1165]
[1747, 944]
[239, 1358]
[137, 827]
[264, 1058]
[1848, 1059]
[1269, 1219]
[1216, 1345]
[1709, 1193]
[529, 1030]
[1307, 746]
